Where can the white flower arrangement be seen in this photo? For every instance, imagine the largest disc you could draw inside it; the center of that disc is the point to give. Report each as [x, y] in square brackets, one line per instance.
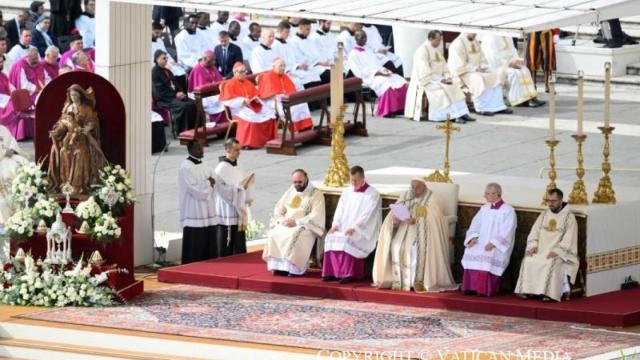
[254, 230]
[19, 225]
[106, 228]
[88, 210]
[45, 209]
[29, 185]
[116, 189]
[43, 284]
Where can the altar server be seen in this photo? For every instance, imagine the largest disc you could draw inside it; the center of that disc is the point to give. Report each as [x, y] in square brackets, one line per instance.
[413, 252]
[390, 88]
[488, 244]
[232, 205]
[551, 258]
[301, 73]
[298, 221]
[512, 72]
[196, 195]
[263, 55]
[354, 230]
[307, 51]
[431, 77]
[374, 42]
[468, 64]
[256, 121]
[189, 44]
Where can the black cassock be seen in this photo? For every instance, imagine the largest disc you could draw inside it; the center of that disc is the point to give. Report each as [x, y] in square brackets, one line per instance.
[230, 241]
[164, 89]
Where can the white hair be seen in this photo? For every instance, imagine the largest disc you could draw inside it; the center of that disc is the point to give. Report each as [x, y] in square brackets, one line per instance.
[495, 187]
[51, 49]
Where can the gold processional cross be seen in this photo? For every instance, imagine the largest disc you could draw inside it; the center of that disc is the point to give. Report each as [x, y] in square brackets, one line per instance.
[448, 129]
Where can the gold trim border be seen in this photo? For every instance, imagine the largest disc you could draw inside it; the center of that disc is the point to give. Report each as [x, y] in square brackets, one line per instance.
[613, 259]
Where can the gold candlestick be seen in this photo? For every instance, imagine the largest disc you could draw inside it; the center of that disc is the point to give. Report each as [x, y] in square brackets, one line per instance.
[551, 143]
[448, 129]
[605, 193]
[579, 193]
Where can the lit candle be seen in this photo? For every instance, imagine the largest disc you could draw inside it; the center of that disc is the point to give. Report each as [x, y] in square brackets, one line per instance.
[607, 93]
[552, 110]
[580, 102]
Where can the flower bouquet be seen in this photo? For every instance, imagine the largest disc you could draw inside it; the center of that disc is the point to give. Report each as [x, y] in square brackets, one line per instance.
[45, 209]
[106, 229]
[29, 185]
[19, 226]
[88, 211]
[115, 190]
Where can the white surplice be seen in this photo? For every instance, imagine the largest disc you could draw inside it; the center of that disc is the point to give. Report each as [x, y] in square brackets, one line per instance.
[189, 48]
[262, 58]
[361, 212]
[374, 43]
[175, 68]
[209, 38]
[429, 68]
[87, 28]
[248, 45]
[464, 58]
[195, 195]
[500, 53]
[495, 226]
[232, 200]
[287, 52]
[364, 64]
[240, 110]
[307, 52]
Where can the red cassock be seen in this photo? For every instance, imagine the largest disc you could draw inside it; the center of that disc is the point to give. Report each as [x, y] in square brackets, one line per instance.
[256, 121]
[272, 84]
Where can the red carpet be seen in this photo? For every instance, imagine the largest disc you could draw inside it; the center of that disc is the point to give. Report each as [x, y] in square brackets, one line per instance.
[249, 272]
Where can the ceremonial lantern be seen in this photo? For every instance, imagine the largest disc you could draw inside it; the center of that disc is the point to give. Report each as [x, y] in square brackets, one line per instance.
[58, 242]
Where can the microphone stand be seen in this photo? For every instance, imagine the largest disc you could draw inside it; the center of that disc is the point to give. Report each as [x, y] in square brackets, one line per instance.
[157, 264]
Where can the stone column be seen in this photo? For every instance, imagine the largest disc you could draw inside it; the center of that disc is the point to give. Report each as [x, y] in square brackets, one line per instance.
[123, 48]
[405, 42]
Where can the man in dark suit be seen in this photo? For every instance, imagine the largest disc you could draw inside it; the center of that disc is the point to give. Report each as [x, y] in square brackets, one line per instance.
[14, 26]
[227, 54]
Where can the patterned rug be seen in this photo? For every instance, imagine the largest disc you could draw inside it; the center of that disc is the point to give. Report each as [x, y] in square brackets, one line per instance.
[339, 325]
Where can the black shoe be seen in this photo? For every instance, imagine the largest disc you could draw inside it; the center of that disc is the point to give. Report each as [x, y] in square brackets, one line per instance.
[628, 40]
[468, 118]
[613, 44]
[293, 275]
[279, 273]
[345, 280]
[533, 103]
[485, 113]
[506, 111]
[460, 120]
[329, 278]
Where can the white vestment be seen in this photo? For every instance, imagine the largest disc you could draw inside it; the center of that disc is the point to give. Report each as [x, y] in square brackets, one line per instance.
[429, 68]
[240, 110]
[464, 58]
[262, 58]
[209, 37]
[287, 52]
[500, 53]
[540, 275]
[374, 43]
[495, 226]
[348, 42]
[364, 64]
[8, 168]
[87, 28]
[288, 248]
[359, 211]
[247, 45]
[232, 200]
[216, 27]
[189, 48]
[196, 196]
[307, 52]
[175, 68]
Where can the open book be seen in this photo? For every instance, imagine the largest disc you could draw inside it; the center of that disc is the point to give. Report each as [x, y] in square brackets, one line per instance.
[400, 212]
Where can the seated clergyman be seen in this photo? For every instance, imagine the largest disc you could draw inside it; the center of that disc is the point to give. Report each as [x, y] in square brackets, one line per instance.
[413, 252]
[299, 218]
[551, 258]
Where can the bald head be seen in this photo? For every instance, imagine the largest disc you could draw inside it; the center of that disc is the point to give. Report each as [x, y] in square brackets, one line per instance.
[278, 66]
[267, 37]
[361, 37]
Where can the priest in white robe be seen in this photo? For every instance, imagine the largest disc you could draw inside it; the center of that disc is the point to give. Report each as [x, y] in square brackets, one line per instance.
[298, 221]
[232, 204]
[196, 195]
[326, 41]
[11, 158]
[308, 53]
[516, 79]
[354, 231]
[413, 252]
[251, 42]
[488, 244]
[221, 23]
[390, 88]
[430, 77]
[301, 74]
[208, 35]
[374, 42]
[551, 260]
[263, 55]
[189, 44]
[468, 64]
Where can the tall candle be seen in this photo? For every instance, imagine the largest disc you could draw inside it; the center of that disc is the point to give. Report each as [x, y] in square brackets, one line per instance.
[580, 102]
[607, 93]
[552, 110]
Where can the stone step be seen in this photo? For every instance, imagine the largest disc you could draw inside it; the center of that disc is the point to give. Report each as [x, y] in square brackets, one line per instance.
[633, 69]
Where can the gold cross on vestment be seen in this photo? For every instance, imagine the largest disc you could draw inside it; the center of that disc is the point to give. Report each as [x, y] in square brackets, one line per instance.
[448, 129]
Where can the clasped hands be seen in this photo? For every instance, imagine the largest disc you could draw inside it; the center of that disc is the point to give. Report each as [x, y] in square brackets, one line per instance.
[288, 222]
[180, 95]
[347, 232]
[552, 254]
[487, 247]
[410, 221]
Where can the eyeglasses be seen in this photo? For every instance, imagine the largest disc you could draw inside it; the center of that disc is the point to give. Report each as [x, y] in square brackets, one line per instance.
[241, 71]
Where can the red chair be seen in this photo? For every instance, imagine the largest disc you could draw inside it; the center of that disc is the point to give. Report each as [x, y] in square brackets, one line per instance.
[26, 114]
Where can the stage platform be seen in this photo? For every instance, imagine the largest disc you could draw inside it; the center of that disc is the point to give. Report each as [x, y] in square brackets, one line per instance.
[249, 272]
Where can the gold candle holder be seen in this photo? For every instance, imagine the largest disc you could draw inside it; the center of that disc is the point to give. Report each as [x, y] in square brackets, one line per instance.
[578, 194]
[552, 143]
[605, 193]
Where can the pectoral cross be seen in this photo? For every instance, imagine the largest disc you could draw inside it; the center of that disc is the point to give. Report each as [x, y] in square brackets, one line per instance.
[448, 130]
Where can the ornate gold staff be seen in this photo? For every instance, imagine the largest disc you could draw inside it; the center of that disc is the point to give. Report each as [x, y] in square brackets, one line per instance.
[448, 129]
[338, 172]
[552, 142]
[605, 193]
[579, 193]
